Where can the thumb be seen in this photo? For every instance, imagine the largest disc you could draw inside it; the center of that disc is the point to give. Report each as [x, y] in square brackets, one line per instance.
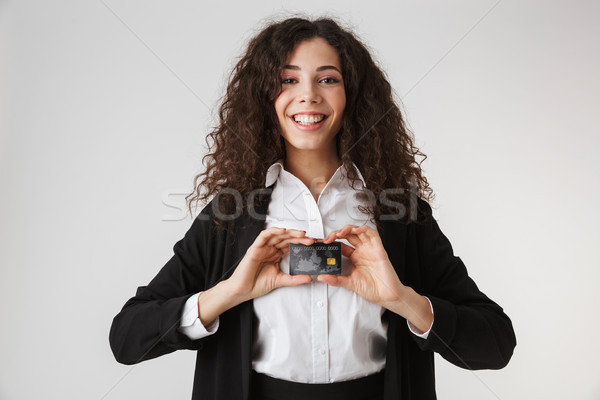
[291, 280]
[335, 280]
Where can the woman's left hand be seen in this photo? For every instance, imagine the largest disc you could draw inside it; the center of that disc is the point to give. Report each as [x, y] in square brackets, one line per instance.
[373, 276]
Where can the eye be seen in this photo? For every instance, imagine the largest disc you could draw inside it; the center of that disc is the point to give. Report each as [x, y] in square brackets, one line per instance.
[332, 80]
[287, 80]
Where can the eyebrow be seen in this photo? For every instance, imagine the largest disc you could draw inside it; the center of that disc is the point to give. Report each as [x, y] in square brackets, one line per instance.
[321, 68]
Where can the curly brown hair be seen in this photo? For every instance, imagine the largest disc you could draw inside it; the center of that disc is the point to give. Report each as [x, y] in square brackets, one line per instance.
[373, 133]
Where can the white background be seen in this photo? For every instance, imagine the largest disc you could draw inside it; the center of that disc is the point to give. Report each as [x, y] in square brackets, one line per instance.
[104, 110]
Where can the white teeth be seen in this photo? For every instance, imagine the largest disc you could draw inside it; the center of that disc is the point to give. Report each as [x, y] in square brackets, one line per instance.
[308, 119]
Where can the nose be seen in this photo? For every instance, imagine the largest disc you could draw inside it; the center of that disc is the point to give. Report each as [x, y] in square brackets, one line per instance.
[308, 93]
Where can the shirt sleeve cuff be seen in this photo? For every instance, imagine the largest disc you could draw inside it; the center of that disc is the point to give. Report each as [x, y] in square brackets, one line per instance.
[414, 329]
[191, 325]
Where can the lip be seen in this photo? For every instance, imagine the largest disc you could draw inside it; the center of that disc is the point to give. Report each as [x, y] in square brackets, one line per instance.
[309, 113]
[309, 128]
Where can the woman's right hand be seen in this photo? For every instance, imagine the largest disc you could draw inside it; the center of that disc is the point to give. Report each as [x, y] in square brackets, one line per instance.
[258, 273]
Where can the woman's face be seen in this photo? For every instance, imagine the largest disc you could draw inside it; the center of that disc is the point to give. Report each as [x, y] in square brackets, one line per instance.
[312, 99]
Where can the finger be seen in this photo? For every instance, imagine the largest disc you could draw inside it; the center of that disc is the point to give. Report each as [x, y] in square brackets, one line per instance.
[347, 250]
[342, 232]
[350, 237]
[335, 280]
[347, 228]
[265, 235]
[285, 243]
[295, 232]
[330, 237]
[365, 233]
[289, 233]
[284, 279]
[273, 255]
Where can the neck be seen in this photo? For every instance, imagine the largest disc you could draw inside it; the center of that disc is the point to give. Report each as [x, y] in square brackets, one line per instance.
[313, 168]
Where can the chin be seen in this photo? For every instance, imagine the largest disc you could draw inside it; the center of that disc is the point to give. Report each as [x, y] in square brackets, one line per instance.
[304, 146]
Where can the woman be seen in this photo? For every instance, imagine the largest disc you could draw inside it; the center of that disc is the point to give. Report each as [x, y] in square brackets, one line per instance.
[308, 116]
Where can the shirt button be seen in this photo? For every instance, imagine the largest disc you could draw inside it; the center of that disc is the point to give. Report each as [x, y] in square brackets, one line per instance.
[320, 303]
[322, 351]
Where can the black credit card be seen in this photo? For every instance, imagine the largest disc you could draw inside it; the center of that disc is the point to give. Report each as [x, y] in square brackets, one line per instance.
[318, 258]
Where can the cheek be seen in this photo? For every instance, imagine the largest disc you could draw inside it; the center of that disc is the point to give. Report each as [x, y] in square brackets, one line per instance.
[280, 106]
[340, 100]
[277, 105]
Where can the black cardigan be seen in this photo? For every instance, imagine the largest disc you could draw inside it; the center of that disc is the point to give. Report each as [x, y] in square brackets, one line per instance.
[469, 330]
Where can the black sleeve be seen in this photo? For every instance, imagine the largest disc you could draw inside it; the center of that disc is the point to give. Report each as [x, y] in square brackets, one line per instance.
[146, 327]
[469, 330]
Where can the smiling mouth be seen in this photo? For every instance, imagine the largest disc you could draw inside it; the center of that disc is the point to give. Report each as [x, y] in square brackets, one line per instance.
[308, 120]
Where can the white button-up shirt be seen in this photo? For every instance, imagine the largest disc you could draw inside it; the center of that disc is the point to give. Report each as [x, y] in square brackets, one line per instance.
[312, 333]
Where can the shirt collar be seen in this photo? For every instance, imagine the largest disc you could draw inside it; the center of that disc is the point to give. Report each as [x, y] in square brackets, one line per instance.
[275, 169]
